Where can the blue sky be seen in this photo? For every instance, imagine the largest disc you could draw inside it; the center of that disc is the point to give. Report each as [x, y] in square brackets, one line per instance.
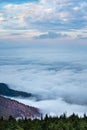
[43, 19]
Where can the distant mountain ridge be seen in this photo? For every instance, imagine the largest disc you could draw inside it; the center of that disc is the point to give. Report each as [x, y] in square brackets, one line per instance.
[6, 91]
[15, 109]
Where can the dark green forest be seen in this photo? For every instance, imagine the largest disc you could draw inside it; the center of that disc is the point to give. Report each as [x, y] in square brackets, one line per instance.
[73, 122]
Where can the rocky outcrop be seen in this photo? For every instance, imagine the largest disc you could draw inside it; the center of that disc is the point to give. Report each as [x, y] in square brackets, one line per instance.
[17, 110]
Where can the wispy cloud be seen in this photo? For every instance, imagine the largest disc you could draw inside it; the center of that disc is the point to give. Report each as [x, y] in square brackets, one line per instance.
[67, 16]
[51, 35]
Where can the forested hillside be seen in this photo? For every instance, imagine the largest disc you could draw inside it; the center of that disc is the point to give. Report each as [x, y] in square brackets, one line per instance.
[48, 123]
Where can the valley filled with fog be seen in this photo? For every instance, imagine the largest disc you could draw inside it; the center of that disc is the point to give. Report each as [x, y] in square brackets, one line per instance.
[59, 79]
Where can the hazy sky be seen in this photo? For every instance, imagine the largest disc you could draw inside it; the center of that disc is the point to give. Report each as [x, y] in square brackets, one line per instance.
[41, 21]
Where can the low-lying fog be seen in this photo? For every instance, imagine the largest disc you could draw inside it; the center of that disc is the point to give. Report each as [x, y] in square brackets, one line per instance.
[59, 79]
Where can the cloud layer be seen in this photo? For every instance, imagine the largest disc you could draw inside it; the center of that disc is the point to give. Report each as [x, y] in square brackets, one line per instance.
[59, 80]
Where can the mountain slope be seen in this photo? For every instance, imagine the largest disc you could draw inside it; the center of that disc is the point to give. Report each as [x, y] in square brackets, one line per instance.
[6, 91]
[17, 110]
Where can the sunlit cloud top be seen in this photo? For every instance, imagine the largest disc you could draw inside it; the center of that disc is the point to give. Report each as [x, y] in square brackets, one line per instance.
[43, 18]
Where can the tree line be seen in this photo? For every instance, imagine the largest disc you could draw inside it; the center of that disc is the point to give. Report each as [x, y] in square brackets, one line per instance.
[73, 122]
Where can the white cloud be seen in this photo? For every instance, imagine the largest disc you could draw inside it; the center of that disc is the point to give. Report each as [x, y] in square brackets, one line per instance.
[59, 80]
[45, 16]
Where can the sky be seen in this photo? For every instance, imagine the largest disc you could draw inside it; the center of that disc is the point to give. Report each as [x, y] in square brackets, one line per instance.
[43, 46]
[39, 20]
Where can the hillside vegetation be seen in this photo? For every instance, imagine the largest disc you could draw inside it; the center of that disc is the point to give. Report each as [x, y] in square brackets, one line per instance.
[48, 123]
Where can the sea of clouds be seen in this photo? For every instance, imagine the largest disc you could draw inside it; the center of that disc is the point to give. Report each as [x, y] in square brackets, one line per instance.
[59, 80]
